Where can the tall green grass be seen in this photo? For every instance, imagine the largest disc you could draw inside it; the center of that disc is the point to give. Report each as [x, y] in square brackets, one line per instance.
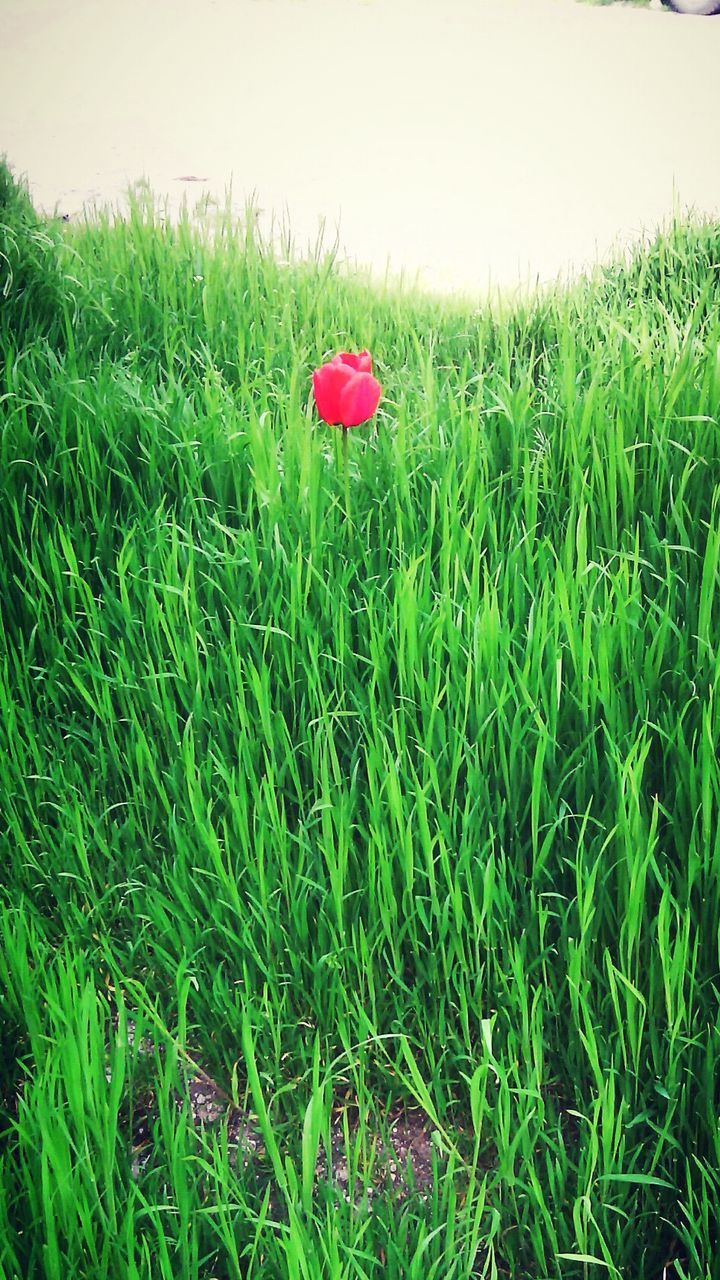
[419, 805]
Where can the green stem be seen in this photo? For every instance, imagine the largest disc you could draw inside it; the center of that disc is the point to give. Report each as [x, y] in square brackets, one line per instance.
[347, 474]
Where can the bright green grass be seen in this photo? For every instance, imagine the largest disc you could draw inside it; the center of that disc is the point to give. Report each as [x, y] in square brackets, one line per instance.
[424, 804]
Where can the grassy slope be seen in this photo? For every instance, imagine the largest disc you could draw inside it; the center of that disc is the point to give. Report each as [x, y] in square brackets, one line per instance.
[419, 803]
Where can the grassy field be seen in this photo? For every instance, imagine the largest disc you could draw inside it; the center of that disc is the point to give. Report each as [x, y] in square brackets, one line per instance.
[411, 810]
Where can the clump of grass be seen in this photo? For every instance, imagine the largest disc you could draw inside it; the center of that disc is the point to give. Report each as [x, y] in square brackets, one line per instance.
[419, 810]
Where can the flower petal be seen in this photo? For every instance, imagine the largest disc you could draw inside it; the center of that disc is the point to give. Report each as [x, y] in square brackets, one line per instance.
[328, 383]
[361, 363]
[359, 399]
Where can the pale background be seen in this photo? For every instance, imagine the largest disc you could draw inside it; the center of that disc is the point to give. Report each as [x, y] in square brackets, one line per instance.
[473, 141]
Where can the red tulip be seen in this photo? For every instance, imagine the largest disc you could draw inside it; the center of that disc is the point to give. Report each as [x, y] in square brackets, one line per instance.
[346, 393]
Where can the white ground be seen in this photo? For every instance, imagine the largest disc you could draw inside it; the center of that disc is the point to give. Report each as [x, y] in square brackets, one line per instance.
[473, 140]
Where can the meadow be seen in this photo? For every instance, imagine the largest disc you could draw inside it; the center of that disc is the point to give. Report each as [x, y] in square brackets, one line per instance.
[355, 789]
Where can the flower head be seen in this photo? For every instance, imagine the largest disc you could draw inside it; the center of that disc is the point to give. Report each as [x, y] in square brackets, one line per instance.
[346, 393]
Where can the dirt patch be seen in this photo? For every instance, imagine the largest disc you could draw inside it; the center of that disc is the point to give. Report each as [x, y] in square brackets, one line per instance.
[398, 1164]
[391, 1151]
[395, 1153]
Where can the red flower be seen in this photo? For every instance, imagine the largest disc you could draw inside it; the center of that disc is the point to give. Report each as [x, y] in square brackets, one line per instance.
[346, 393]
